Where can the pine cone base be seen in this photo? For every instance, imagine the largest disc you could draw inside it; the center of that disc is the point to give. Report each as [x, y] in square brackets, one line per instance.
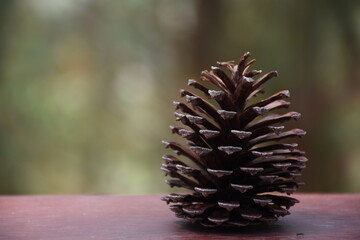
[238, 163]
[238, 212]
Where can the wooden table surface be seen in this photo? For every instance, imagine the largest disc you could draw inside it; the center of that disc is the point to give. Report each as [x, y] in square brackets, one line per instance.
[105, 217]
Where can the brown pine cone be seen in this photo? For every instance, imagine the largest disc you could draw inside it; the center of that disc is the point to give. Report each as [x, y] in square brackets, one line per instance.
[234, 162]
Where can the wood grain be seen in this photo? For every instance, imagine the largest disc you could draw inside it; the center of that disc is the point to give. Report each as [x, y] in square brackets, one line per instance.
[317, 216]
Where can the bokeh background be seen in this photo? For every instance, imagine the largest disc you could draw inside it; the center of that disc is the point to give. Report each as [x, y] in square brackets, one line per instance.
[86, 87]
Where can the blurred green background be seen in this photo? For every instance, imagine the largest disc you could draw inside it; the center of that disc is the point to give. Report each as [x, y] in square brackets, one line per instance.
[86, 87]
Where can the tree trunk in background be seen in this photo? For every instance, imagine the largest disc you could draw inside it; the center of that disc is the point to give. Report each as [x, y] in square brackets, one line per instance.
[202, 50]
[206, 39]
[5, 6]
[342, 11]
[7, 184]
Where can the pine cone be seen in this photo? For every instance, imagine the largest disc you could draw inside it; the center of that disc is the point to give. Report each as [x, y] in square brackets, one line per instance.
[235, 162]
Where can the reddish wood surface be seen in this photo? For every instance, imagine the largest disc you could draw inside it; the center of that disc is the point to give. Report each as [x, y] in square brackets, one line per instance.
[317, 216]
